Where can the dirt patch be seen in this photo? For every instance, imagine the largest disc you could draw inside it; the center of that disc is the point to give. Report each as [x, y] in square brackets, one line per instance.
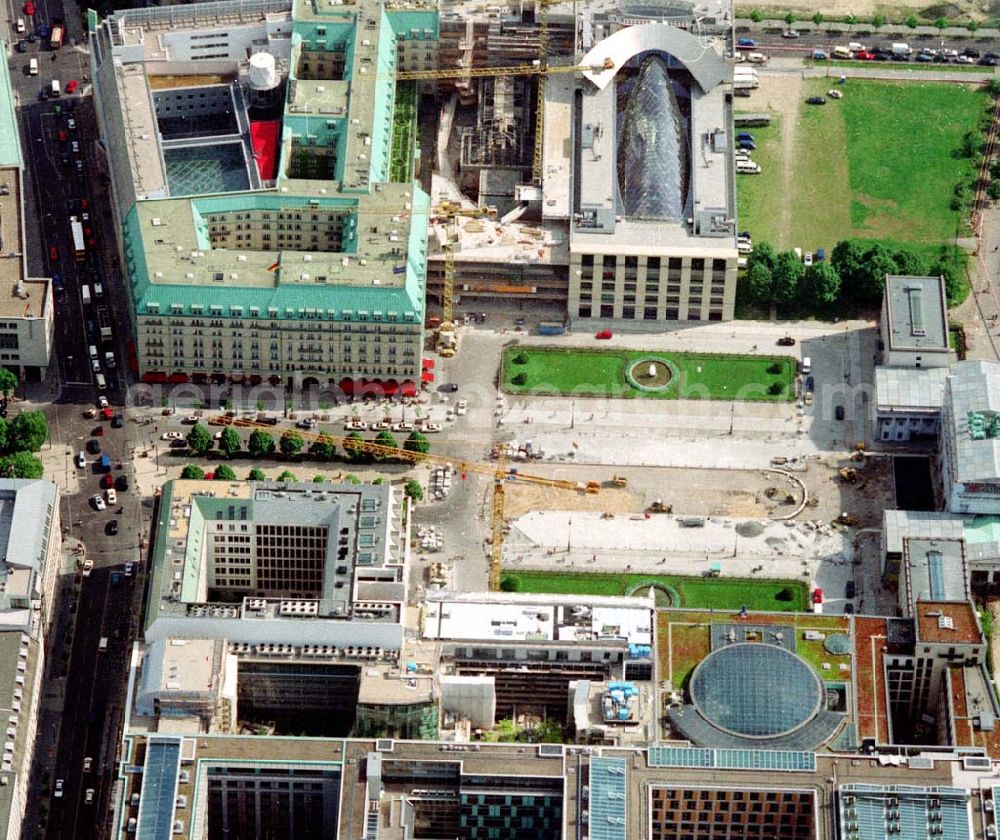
[520, 499]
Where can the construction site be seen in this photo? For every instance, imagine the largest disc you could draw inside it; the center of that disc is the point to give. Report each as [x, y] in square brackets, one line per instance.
[526, 105]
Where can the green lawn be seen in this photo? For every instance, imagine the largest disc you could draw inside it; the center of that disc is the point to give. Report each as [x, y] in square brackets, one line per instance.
[874, 165]
[404, 128]
[904, 65]
[695, 592]
[601, 373]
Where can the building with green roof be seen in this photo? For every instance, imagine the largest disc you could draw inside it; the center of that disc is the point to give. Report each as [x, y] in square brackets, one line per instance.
[263, 240]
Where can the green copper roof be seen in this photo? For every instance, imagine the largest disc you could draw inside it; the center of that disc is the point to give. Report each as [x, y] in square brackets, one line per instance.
[10, 145]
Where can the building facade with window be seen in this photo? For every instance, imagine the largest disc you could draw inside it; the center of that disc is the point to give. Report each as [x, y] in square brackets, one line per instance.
[278, 235]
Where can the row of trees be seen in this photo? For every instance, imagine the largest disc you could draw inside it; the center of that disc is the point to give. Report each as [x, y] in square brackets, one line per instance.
[854, 276]
[413, 488]
[876, 21]
[292, 445]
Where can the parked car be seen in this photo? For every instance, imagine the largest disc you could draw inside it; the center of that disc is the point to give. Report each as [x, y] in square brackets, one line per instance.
[81, 459]
[111, 529]
[820, 55]
[112, 496]
[190, 420]
[850, 590]
[98, 502]
[172, 436]
[791, 33]
[848, 608]
[53, 253]
[864, 55]
[94, 446]
[817, 596]
[88, 797]
[604, 335]
[117, 421]
[58, 792]
[807, 258]
[72, 85]
[746, 43]
[107, 480]
[786, 341]
[121, 483]
[838, 412]
[835, 94]
[816, 100]
[451, 387]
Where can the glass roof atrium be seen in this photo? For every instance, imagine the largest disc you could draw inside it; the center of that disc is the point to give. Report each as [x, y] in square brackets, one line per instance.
[756, 695]
[653, 147]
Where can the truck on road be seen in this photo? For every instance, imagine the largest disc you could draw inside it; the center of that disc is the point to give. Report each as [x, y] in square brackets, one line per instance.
[56, 37]
[104, 322]
[78, 245]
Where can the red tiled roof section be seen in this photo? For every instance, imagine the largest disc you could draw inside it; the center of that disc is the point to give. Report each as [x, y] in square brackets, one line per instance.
[964, 627]
[964, 734]
[869, 678]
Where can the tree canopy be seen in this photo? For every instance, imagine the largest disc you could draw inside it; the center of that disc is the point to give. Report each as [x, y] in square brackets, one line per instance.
[260, 444]
[27, 432]
[192, 471]
[199, 439]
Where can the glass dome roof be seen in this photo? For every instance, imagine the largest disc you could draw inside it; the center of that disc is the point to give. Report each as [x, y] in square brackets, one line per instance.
[756, 690]
[653, 147]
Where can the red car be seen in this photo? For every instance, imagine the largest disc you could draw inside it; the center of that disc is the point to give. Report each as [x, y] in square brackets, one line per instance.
[29, 9]
[860, 55]
[98, 431]
[107, 481]
[53, 253]
[817, 596]
[604, 335]
[72, 85]
[62, 136]
[107, 414]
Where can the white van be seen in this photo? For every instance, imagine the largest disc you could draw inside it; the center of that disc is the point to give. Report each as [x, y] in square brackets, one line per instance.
[102, 383]
[807, 364]
[98, 290]
[85, 293]
[747, 167]
[33, 67]
[20, 26]
[757, 58]
[102, 645]
[93, 351]
[55, 87]
[109, 359]
[842, 52]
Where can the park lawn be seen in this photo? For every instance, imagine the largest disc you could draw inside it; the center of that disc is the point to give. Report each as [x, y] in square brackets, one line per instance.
[872, 165]
[695, 592]
[903, 65]
[756, 196]
[601, 373]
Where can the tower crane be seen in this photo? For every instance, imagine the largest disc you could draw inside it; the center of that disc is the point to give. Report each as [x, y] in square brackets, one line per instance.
[499, 472]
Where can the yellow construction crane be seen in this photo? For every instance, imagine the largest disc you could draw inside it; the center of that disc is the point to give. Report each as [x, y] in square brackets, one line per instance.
[446, 338]
[500, 473]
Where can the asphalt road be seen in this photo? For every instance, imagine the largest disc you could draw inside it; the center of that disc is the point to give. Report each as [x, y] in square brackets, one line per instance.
[106, 603]
[773, 43]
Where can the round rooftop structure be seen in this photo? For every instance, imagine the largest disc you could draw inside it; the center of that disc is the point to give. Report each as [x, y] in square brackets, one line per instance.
[755, 690]
[263, 71]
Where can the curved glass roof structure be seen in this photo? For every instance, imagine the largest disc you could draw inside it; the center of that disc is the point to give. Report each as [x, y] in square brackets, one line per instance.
[653, 153]
[756, 690]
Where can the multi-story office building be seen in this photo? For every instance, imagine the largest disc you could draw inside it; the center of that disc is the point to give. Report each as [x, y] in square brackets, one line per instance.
[304, 583]
[365, 789]
[27, 305]
[30, 548]
[275, 232]
[916, 355]
[969, 457]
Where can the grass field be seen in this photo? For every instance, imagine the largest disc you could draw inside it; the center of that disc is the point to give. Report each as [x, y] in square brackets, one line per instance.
[601, 373]
[695, 592]
[872, 165]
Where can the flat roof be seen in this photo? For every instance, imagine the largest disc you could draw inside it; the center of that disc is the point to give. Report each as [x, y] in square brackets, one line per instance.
[973, 389]
[31, 301]
[917, 313]
[899, 525]
[490, 617]
[10, 135]
[935, 571]
[920, 389]
[947, 622]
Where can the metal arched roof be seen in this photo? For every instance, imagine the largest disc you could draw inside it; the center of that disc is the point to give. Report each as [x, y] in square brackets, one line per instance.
[701, 61]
